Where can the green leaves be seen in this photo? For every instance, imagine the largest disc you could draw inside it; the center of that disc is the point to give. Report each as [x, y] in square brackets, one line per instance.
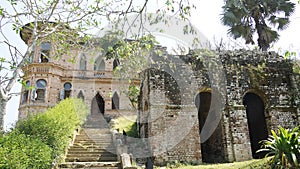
[2, 59]
[18, 151]
[1, 11]
[284, 147]
[56, 126]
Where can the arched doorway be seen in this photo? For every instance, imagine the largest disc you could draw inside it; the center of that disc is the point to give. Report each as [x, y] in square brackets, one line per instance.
[98, 104]
[212, 149]
[115, 101]
[257, 125]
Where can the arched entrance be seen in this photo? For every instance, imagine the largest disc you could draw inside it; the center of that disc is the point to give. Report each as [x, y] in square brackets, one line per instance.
[115, 101]
[257, 125]
[98, 104]
[212, 149]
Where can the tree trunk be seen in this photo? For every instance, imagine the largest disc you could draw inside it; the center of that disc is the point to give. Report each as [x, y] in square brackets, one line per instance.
[259, 26]
[262, 43]
[3, 103]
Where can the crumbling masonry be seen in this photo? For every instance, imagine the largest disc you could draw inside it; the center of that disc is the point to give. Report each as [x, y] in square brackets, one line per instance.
[238, 96]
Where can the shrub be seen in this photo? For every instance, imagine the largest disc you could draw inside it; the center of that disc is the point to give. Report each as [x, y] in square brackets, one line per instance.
[56, 126]
[18, 151]
[285, 148]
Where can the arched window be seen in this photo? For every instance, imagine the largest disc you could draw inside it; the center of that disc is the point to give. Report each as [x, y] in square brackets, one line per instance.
[66, 92]
[98, 104]
[82, 62]
[99, 64]
[80, 95]
[116, 63]
[26, 92]
[115, 101]
[40, 90]
[45, 52]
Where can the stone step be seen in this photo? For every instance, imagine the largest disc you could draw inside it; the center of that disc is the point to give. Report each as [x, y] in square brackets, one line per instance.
[93, 148]
[96, 131]
[103, 138]
[93, 139]
[91, 159]
[94, 136]
[90, 165]
[91, 142]
[94, 168]
[88, 154]
[92, 132]
[97, 137]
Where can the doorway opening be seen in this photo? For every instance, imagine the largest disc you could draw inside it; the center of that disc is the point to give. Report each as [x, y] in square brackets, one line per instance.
[257, 125]
[98, 104]
[212, 149]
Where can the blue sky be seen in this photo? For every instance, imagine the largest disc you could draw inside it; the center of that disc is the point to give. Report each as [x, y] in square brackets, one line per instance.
[207, 19]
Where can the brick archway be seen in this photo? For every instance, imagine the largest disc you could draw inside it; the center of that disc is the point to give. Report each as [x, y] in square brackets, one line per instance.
[98, 104]
[258, 131]
[212, 150]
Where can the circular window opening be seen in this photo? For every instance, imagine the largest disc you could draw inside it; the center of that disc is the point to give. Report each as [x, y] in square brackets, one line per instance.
[67, 86]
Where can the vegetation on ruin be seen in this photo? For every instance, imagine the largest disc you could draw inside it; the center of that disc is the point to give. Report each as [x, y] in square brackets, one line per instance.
[284, 148]
[40, 140]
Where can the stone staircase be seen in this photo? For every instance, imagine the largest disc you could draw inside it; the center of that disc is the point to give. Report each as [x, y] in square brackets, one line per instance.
[93, 147]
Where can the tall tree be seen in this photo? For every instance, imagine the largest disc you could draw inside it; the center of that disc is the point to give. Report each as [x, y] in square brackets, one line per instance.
[62, 21]
[245, 17]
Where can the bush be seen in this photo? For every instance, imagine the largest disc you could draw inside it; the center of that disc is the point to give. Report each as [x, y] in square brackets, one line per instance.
[284, 147]
[18, 151]
[55, 127]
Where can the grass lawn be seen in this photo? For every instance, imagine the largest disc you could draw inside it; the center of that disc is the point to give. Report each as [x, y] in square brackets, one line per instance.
[128, 124]
[251, 164]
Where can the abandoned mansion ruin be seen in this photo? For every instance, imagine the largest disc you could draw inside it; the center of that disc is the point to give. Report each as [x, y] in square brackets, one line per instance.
[78, 74]
[215, 106]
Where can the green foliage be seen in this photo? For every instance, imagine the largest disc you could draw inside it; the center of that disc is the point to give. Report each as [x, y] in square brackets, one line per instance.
[128, 124]
[296, 67]
[284, 147]
[247, 17]
[56, 126]
[133, 93]
[18, 151]
[1, 11]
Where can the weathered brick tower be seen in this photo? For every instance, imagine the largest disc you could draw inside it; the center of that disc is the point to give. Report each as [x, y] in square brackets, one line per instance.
[51, 79]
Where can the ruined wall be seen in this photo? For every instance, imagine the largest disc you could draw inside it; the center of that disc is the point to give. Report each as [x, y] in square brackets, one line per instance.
[265, 75]
[170, 127]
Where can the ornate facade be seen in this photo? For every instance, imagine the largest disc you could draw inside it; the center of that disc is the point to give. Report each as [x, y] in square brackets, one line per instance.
[87, 75]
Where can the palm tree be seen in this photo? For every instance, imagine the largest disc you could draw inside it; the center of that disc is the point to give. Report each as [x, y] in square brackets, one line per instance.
[245, 17]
